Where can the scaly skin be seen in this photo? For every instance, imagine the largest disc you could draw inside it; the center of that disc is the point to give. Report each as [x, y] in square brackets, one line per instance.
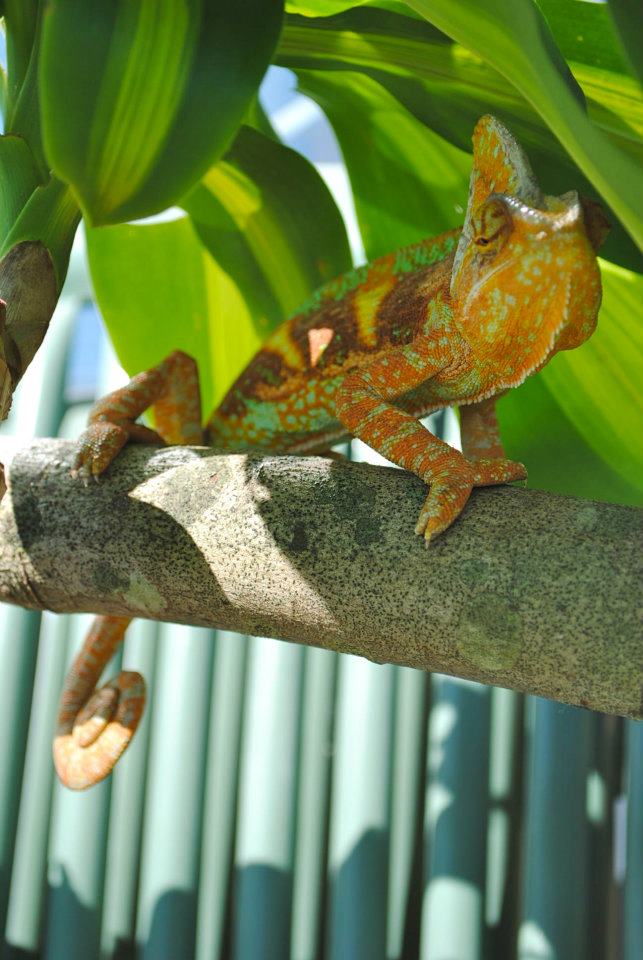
[456, 319]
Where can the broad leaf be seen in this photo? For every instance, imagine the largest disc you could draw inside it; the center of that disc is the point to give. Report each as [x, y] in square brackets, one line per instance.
[252, 210]
[408, 183]
[448, 89]
[205, 286]
[628, 17]
[139, 98]
[515, 39]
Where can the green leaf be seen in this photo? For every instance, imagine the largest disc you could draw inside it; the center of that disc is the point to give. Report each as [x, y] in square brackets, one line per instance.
[515, 39]
[408, 183]
[139, 98]
[628, 17]
[19, 177]
[21, 23]
[252, 211]
[448, 88]
[267, 218]
[50, 215]
[577, 423]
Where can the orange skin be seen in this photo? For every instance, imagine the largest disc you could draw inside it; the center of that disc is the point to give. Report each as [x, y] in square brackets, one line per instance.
[457, 319]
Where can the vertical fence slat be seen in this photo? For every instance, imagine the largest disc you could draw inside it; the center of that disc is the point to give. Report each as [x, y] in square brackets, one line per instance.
[633, 900]
[360, 811]
[221, 789]
[313, 802]
[77, 848]
[173, 811]
[25, 913]
[408, 773]
[126, 810]
[554, 915]
[456, 820]
[503, 840]
[262, 892]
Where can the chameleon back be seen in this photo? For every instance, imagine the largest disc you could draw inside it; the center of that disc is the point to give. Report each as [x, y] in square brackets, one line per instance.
[284, 399]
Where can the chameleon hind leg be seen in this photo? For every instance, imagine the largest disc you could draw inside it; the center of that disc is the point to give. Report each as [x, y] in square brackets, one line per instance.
[482, 446]
[363, 407]
[95, 727]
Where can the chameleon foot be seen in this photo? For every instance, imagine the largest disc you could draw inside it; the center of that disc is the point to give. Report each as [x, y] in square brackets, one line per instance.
[451, 490]
[490, 471]
[102, 441]
[446, 500]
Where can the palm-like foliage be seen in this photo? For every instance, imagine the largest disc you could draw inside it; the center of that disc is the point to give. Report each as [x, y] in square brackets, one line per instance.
[135, 107]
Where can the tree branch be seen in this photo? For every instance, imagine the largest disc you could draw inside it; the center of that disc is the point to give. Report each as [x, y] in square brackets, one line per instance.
[527, 590]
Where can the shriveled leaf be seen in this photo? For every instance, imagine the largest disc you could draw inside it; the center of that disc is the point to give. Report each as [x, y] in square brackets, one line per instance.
[28, 295]
[577, 423]
[138, 99]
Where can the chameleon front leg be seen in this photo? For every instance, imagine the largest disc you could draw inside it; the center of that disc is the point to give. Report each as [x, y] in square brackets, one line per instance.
[171, 389]
[479, 431]
[362, 406]
[95, 727]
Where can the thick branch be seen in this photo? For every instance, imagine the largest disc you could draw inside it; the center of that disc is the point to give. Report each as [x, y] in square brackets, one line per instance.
[527, 590]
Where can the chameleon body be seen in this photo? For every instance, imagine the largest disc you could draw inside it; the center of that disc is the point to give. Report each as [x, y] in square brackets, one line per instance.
[456, 319]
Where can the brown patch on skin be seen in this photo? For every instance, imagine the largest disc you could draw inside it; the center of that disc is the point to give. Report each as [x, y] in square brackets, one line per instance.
[318, 340]
[402, 312]
[265, 368]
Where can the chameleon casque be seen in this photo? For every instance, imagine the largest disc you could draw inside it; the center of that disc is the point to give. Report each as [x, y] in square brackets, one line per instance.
[456, 319]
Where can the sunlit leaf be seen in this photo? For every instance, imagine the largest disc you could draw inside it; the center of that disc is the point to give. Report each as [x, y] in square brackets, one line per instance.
[408, 183]
[448, 88]
[252, 211]
[138, 99]
[515, 39]
[209, 287]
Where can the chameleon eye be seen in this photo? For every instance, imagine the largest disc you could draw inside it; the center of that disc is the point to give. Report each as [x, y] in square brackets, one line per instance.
[491, 223]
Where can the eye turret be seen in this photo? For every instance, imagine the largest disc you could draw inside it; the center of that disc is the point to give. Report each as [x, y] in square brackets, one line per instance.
[491, 224]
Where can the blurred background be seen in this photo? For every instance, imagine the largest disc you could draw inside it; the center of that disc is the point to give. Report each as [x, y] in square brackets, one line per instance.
[287, 803]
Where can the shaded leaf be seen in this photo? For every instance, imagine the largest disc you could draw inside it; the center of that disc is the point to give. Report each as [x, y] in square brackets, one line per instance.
[19, 177]
[252, 211]
[408, 183]
[220, 306]
[515, 39]
[628, 17]
[50, 215]
[152, 94]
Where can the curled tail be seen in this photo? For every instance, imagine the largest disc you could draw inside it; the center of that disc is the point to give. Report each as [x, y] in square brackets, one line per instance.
[95, 726]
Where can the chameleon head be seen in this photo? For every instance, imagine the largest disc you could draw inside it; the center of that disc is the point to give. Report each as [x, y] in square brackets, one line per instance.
[525, 281]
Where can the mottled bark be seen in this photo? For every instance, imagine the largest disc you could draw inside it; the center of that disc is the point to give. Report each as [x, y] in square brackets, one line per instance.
[531, 591]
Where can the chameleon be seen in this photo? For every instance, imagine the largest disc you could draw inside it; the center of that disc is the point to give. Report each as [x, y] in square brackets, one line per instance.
[457, 319]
